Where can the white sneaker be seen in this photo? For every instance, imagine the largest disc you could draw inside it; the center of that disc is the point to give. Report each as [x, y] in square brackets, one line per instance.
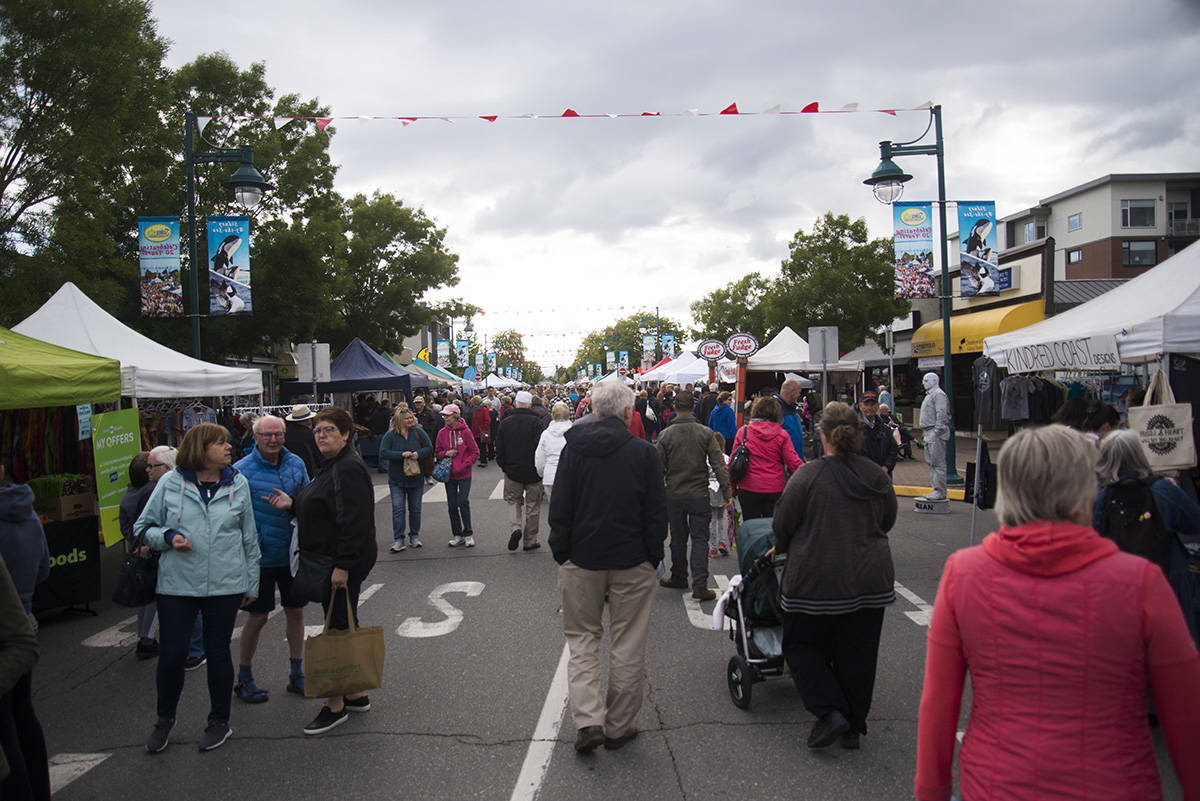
[470, 542]
[397, 547]
[456, 541]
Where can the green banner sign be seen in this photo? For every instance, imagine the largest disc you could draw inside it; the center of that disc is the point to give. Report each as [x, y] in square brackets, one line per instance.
[115, 441]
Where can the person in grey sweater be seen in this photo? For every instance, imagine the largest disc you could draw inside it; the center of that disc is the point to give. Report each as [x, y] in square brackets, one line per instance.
[22, 541]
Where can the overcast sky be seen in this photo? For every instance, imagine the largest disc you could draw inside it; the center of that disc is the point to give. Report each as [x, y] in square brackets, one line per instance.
[560, 222]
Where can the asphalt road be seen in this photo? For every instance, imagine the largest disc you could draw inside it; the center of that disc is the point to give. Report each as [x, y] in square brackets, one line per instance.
[472, 705]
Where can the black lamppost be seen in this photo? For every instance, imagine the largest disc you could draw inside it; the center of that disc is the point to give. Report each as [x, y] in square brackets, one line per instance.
[888, 184]
[247, 185]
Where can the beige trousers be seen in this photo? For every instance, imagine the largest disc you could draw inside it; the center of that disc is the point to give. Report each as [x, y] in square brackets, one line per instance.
[524, 508]
[630, 598]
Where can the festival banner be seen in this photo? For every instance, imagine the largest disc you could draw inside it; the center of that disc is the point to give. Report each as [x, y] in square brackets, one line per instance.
[978, 257]
[610, 360]
[669, 345]
[623, 361]
[913, 238]
[491, 360]
[462, 353]
[479, 361]
[115, 441]
[599, 371]
[160, 268]
[229, 266]
[443, 353]
[648, 347]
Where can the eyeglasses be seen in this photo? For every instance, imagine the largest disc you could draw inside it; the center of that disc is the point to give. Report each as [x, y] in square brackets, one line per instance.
[324, 431]
[271, 435]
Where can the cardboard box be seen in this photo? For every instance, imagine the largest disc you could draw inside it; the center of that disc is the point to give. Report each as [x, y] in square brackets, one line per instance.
[68, 507]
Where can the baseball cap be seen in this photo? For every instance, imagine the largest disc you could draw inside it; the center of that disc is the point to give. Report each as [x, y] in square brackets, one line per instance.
[869, 396]
[450, 408]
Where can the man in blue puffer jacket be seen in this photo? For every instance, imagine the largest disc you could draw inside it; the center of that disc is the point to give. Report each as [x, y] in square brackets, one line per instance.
[271, 466]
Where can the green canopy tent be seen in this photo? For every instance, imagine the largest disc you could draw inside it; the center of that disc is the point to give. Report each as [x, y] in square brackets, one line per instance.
[35, 374]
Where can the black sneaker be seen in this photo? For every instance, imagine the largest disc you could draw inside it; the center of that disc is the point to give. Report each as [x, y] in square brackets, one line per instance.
[325, 720]
[215, 735]
[157, 740]
[514, 540]
[147, 648]
[357, 704]
[193, 662]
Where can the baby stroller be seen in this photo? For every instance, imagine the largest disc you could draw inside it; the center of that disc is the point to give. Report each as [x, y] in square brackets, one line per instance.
[757, 631]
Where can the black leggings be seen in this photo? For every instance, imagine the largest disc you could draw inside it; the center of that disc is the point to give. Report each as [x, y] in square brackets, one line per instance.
[757, 504]
[24, 745]
[176, 617]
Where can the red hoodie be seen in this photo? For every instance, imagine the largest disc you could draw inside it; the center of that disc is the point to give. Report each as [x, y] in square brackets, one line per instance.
[770, 450]
[1062, 634]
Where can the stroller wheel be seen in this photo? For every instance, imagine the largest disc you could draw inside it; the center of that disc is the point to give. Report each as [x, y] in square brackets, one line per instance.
[741, 681]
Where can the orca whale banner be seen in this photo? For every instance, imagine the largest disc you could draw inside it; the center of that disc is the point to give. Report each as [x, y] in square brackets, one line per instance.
[229, 266]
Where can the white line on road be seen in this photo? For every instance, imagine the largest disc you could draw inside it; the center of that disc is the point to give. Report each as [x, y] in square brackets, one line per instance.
[382, 491]
[435, 494]
[545, 736]
[365, 595]
[114, 636]
[921, 618]
[498, 492]
[66, 768]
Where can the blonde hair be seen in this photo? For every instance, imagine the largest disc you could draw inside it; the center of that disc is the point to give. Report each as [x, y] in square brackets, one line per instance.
[398, 417]
[1046, 473]
[560, 411]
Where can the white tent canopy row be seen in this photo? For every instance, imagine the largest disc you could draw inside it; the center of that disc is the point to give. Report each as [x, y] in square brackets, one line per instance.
[686, 368]
[72, 320]
[615, 375]
[1149, 316]
[788, 351]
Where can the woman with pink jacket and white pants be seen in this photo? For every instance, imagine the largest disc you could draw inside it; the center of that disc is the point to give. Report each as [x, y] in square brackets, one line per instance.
[456, 441]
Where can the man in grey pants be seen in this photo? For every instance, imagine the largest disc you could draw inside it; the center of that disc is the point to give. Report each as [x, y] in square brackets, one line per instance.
[935, 423]
[688, 449]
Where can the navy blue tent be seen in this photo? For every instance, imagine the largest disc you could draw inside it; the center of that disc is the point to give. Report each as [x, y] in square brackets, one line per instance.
[358, 368]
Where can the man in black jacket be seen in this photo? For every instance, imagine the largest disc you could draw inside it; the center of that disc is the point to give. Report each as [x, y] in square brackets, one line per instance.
[608, 521]
[878, 443]
[516, 444]
[298, 437]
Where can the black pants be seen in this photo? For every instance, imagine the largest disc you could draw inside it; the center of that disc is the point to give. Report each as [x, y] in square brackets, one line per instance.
[338, 619]
[689, 521]
[176, 616]
[757, 504]
[24, 746]
[832, 659]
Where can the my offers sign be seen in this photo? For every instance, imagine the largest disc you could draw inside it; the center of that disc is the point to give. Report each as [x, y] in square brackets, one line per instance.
[115, 441]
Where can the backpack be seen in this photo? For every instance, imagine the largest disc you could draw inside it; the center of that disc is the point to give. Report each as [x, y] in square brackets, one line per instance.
[1131, 520]
[739, 462]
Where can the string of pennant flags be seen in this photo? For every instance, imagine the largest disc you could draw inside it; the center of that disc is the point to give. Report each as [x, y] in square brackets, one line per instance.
[408, 119]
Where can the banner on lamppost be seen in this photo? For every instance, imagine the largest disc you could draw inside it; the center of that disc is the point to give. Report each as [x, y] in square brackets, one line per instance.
[623, 361]
[610, 360]
[491, 360]
[913, 237]
[160, 268]
[980, 275]
[461, 351]
[229, 266]
[115, 441]
[669, 345]
[648, 347]
[479, 361]
[443, 353]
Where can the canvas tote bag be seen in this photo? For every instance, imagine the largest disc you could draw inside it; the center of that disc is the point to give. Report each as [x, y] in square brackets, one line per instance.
[343, 661]
[1165, 428]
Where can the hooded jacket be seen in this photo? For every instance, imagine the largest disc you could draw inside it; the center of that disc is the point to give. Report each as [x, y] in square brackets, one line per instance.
[1062, 634]
[224, 558]
[550, 446]
[687, 449]
[516, 442]
[608, 510]
[771, 450]
[790, 421]
[22, 541]
[274, 525]
[463, 443]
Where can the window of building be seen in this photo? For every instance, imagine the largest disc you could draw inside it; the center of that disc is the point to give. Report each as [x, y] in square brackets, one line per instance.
[1139, 254]
[1034, 230]
[1137, 214]
[1075, 221]
[1074, 256]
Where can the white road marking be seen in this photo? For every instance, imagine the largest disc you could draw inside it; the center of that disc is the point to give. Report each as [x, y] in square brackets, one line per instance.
[364, 596]
[237, 630]
[922, 617]
[66, 768]
[722, 583]
[435, 494]
[545, 736]
[114, 636]
[382, 491]
[417, 628]
[498, 492]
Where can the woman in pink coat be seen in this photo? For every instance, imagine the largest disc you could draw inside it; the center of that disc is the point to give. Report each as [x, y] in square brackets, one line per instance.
[771, 450]
[456, 441]
[1062, 634]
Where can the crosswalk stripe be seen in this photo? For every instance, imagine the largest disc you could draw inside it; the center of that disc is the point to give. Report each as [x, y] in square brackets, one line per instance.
[498, 492]
[66, 768]
[365, 595]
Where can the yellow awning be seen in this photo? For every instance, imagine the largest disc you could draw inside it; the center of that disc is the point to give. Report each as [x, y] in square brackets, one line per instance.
[967, 331]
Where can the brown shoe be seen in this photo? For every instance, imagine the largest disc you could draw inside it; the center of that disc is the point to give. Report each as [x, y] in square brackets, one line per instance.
[704, 594]
[613, 743]
[673, 583]
[588, 739]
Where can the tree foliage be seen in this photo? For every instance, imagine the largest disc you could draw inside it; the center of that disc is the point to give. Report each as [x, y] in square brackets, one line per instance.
[735, 308]
[509, 346]
[623, 334]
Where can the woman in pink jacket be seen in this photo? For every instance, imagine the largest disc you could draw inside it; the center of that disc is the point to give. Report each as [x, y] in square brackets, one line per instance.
[771, 450]
[456, 441]
[1062, 634]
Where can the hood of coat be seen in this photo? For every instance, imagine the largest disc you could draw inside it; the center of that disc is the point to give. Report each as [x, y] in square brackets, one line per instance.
[1047, 548]
[16, 503]
[858, 477]
[227, 474]
[764, 431]
[598, 438]
[558, 428]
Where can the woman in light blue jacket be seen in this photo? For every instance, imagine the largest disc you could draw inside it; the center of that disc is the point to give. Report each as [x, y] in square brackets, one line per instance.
[201, 517]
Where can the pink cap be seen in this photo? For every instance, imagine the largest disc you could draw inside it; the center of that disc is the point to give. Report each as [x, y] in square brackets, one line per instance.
[451, 408]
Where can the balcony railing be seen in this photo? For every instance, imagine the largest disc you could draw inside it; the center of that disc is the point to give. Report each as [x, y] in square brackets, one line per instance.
[1183, 228]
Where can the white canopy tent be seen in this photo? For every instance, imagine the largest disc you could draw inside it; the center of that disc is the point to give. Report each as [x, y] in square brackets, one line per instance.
[71, 319]
[615, 376]
[788, 351]
[1156, 313]
[500, 382]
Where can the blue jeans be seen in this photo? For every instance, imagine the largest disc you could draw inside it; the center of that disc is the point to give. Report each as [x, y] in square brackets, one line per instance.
[196, 646]
[177, 615]
[458, 502]
[402, 495]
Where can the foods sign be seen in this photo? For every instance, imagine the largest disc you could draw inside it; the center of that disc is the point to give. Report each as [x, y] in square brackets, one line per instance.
[712, 349]
[742, 345]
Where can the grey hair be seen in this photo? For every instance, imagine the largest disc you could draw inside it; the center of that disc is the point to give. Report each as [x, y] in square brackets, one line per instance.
[257, 425]
[164, 454]
[1046, 473]
[610, 398]
[1121, 450]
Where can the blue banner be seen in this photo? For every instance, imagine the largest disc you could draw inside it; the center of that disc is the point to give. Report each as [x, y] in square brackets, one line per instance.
[913, 240]
[610, 359]
[479, 361]
[978, 257]
[669, 345]
[623, 361]
[462, 353]
[229, 266]
[443, 353]
[158, 258]
[491, 359]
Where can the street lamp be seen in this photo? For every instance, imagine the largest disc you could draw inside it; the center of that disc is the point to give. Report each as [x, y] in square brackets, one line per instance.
[247, 185]
[888, 184]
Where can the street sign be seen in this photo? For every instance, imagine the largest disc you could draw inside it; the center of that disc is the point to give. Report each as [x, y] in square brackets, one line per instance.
[712, 349]
[822, 344]
[742, 345]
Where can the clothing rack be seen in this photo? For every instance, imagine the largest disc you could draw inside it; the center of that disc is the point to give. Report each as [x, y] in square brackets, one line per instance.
[316, 407]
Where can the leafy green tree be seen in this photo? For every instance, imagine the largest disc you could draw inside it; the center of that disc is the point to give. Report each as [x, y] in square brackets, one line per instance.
[834, 276]
[734, 308]
[510, 351]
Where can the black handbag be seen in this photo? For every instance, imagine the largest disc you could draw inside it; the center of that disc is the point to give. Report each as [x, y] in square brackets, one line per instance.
[311, 582]
[137, 580]
[739, 462]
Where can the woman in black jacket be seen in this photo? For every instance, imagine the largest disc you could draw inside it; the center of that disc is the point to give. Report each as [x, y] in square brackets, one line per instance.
[336, 517]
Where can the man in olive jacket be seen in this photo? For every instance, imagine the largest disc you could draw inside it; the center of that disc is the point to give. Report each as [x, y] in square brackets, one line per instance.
[687, 450]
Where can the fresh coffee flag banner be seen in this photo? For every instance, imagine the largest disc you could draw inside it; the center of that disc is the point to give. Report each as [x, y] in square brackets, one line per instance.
[443, 353]
[461, 348]
[913, 237]
[115, 441]
[978, 256]
[158, 259]
[229, 266]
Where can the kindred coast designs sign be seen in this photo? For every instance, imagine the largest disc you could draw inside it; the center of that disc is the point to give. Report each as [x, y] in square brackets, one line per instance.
[712, 349]
[1084, 353]
[742, 345]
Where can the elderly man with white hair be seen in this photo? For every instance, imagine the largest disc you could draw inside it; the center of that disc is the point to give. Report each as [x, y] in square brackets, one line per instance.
[608, 521]
[516, 446]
